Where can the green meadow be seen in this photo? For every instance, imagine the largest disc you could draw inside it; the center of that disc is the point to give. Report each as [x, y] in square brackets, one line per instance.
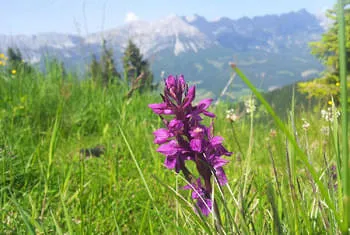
[48, 186]
[78, 157]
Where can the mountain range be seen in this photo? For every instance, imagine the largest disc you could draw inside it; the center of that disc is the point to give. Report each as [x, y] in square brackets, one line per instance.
[272, 49]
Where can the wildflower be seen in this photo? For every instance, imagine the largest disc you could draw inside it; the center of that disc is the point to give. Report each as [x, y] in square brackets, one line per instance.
[337, 84]
[330, 114]
[325, 114]
[306, 125]
[2, 56]
[250, 105]
[231, 115]
[330, 102]
[13, 71]
[1, 63]
[185, 138]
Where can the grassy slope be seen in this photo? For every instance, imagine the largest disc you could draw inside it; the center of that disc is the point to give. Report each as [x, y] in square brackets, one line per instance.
[45, 187]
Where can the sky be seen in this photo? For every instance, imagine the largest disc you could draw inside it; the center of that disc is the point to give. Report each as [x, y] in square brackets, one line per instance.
[88, 16]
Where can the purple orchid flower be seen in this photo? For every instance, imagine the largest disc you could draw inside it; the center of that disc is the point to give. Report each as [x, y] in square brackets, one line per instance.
[185, 138]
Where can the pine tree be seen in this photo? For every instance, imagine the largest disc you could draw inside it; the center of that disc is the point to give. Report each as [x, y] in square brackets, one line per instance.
[15, 61]
[14, 55]
[108, 68]
[134, 65]
[326, 50]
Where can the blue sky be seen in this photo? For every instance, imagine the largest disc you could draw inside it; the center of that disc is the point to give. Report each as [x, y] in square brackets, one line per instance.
[87, 16]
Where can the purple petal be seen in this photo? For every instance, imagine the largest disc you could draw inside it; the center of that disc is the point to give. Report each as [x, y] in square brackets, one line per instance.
[196, 145]
[197, 189]
[205, 205]
[204, 104]
[195, 116]
[197, 192]
[221, 176]
[187, 187]
[208, 114]
[197, 132]
[161, 108]
[181, 84]
[170, 81]
[161, 136]
[168, 149]
[170, 162]
[219, 162]
[221, 150]
[192, 186]
[182, 80]
[216, 140]
[190, 96]
[175, 125]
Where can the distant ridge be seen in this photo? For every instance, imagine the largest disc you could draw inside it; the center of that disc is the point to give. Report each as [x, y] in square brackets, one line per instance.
[272, 49]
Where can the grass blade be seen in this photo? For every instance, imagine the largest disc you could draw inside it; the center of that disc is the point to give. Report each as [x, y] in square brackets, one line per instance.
[141, 174]
[292, 140]
[344, 103]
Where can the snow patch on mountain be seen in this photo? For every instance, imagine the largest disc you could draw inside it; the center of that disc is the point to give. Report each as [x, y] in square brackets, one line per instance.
[191, 18]
[171, 32]
[179, 46]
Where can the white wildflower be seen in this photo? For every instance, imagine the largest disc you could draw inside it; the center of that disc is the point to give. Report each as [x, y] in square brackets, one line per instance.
[306, 125]
[330, 114]
[231, 115]
[250, 105]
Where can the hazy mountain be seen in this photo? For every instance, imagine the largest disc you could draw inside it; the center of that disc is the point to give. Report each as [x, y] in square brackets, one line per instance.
[272, 49]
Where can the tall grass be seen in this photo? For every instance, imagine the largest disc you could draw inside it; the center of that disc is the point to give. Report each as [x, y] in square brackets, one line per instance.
[46, 186]
[342, 217]
[283, 177]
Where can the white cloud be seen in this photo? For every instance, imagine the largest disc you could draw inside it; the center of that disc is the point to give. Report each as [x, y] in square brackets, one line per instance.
[130, 17]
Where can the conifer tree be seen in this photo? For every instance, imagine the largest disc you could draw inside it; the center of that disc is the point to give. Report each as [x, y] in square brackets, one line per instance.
[14, 55]
[134, 65]
[326, 50]
[104, 71]
[108, 68]
[15, 61]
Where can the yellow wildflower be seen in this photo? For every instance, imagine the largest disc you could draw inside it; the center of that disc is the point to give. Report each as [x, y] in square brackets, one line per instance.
[330, 102]
[1, 62]
[337, 84]
[2, 56]
[13, 71]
